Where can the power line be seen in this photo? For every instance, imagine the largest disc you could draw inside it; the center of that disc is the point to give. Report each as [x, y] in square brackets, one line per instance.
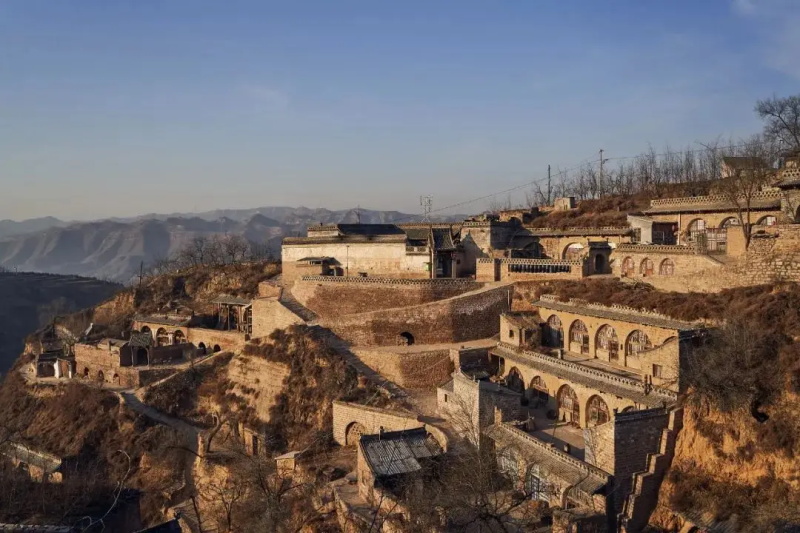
[586, 161]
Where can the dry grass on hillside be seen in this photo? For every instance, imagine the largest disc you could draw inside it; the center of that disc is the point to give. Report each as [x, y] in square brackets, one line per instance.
[302, 417]
[608, 211]
[89, 426]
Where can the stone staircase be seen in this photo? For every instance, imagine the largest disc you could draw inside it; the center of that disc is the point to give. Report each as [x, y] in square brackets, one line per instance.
[642, 500]
[290, 302]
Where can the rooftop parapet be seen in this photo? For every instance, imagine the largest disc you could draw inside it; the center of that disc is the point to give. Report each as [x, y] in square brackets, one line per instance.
[657, 249]
[605, 230]
[616, 312]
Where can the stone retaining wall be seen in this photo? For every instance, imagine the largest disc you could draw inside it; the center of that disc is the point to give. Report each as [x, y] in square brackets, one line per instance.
[422, 369]
[335, 296]
[466, 317]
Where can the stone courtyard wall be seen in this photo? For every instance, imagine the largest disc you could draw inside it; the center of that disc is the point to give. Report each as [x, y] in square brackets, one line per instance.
[370, 418]
[467, 317]
[270, 314]
[423, 369]
[333, 295]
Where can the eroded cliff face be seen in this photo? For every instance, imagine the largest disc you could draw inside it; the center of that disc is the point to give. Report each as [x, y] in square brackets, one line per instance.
[730, 468]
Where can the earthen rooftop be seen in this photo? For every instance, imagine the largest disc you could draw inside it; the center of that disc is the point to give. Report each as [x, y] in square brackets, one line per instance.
[615, 312]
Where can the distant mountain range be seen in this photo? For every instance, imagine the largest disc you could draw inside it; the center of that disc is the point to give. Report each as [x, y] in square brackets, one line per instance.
[113, 249]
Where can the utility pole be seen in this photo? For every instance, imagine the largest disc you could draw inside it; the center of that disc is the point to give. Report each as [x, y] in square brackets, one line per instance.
[426, 202]
[141, 274]
[358, 214]
[549, 185]
[602, 162]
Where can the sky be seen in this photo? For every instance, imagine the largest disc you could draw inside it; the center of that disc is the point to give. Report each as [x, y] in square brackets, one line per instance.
[118, 108]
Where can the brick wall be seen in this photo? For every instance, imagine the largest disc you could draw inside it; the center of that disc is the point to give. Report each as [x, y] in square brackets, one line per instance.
[370, 418]
[349, 295]
[270, 314]
[636, 435]
[259, 381]
[468, 317]
[423, 369]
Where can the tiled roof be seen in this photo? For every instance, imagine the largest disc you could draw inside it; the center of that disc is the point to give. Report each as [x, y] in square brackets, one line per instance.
[370, 229]
[443, 239]
[398, 452]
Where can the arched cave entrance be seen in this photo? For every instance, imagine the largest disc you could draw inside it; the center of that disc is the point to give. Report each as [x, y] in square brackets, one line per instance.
[514, 380]
[217, 348]
[201, 348]
[406, 339]
[140, 358]
[100, 376]
[353, 433]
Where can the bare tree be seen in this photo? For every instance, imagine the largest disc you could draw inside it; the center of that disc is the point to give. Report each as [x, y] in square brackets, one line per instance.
[746, 180]
[782, 119]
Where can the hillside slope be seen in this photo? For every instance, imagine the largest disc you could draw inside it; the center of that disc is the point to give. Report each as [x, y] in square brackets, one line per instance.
[29, 300]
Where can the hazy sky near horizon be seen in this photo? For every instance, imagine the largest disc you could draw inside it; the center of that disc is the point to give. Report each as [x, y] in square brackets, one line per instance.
[117, 108]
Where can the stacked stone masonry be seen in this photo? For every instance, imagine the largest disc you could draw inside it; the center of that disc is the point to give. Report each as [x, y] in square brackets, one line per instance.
[469, 316]
[335, 296]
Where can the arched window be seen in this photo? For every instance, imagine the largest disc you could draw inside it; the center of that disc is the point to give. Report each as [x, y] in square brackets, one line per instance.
[579, 337]
[508, 464]
[514, 380]
[162, 337]
[597, 411]
[646, 267]
[569, 409]
[768, 220]
[607, 340]
[146, 329]
[573, 251]
[696, 226]
[539, 390]
[637, 341]
[666, 268]
[628, 267]
[178, 337]
[535, 486]
[728, 222]
[553, 333]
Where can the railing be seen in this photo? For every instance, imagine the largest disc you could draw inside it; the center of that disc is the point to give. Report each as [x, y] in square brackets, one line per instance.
[604, 230]
[656, 249]
[710, 199]
[633, 385]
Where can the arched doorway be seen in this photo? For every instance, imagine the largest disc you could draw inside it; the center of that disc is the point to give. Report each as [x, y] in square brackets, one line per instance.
[406, 339]
[579, 338]
[514, 380]
[85, 373]
[178, 337]
[100, 376]
[597, 411]
[162, 337]
[647, 267]
[115, 379]
[146, 329]
[553, 332]
[636, 342]
[628, 267]
[608, 342]
[599, 264]
[353, 433]
[508, 464]
[539, 392]
[666, 268]
[217, 348]
[569, 410]
[201, 348]
[140, 358]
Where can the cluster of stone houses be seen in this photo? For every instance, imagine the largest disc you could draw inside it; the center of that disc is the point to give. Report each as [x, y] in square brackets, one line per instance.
[576, 402]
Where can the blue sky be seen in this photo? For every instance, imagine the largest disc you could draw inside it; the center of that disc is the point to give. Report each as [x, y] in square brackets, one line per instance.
[116, 108]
